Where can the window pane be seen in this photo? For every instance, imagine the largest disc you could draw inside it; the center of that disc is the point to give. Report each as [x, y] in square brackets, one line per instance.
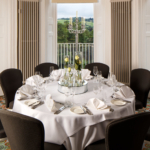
[66, 40]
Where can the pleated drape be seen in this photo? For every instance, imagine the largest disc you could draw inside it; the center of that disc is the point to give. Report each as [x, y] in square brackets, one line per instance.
[121, 40]
[28, 36]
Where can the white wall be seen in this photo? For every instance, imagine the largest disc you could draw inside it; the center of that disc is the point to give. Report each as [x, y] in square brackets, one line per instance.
[8, 35]
[48, 32]
[102, 32]
[141, 34]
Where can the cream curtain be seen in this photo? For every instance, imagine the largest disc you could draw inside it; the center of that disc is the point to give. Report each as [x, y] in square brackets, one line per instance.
[141, 34]
[120, 0]
[74, 1]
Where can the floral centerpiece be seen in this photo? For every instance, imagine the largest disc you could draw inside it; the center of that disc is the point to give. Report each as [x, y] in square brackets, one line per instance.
[78, 60]
[66, 61]
[78, 65]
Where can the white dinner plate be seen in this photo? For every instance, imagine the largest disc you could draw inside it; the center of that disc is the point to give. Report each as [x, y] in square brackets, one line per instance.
[77, 110]
[118, 102]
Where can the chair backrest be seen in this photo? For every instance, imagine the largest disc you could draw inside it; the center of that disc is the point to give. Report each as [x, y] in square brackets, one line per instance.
[11, 80]
[23, 132]
[127, 133]
[44, 68]
[140, 84]
[101, 67]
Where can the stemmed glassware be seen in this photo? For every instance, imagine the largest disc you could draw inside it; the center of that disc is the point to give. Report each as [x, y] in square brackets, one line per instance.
[73, 94]
[114, 82]
[50, 72]
[99, 76]
[95, 90]
[95, 70]
[37, 73]
[67, 94]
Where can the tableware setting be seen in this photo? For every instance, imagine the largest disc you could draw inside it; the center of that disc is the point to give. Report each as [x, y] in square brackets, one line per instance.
[57, 110]
[118, 102]
[78, 110]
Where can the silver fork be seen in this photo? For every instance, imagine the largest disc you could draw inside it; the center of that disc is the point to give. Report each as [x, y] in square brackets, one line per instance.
[60, 110]
[35, 106]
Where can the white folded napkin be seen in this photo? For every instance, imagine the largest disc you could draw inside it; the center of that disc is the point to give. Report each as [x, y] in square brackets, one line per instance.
[51, 104]
[96, 104]
[86, 74]
[21, 96]
[25, 91]
[124, 93]
[57, 74]
[109, 83]
[34, 79]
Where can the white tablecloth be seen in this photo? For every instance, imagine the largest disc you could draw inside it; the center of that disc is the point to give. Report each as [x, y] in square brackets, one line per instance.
[72, 130]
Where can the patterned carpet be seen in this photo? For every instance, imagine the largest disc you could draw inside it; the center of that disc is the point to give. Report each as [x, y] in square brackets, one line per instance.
[6, 146]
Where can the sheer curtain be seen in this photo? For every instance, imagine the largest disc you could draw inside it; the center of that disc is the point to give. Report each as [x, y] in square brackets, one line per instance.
[141, 34]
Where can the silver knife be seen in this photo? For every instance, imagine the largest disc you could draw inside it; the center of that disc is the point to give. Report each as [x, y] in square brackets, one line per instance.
[126, 101]
[88, 111]
[60, 110]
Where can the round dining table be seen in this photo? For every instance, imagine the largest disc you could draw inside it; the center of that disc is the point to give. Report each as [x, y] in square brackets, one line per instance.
[73, 130]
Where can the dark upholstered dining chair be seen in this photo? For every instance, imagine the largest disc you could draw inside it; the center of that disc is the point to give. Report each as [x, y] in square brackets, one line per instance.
[148, 135]
[25, 133]
[44, 68]
[2, 132]
[101, 67]
[11, 80]
[140, 84]
[127, 133]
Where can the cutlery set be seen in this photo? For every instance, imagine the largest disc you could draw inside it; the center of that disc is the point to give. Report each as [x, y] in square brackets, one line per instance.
[84, 108]
[35, 104]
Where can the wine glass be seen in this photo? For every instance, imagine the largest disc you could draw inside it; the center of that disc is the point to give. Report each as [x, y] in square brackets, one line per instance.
[42, 92]
[37, 73]
[95, 70]
[114, 82]
[99, 76]
[95, 90]
[73, 94]
[50, 72]
[67, 94]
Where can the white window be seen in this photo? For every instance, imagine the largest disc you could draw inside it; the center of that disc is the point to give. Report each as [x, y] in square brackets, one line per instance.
[66, 14]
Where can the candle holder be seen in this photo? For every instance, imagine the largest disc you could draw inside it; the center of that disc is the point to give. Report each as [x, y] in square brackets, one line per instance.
[76, 31]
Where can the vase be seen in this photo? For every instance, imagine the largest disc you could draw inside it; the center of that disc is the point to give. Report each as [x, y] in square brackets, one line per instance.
[78, 60]
[66, 61]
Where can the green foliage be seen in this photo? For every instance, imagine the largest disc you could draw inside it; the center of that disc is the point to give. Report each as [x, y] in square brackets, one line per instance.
[65, 37]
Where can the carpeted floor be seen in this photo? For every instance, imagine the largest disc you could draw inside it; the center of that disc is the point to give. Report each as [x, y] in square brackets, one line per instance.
[6, 146]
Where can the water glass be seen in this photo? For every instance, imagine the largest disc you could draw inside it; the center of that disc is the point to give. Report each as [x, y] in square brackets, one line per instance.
[51, 70]
[67, 94]
[37, 73]
[95, 70]
[95, 90]
[73, 94]
[99, 76]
